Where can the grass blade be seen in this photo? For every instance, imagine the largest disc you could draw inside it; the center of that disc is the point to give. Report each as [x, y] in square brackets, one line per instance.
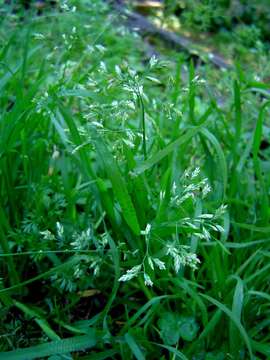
[234, 319]
[118, 184]
[221, 158]
[237, 306]
[167, 150]
[136, 351]
[58, 347]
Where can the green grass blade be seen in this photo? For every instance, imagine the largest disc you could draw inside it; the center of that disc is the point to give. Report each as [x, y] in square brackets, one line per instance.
[58, 347]
[221, 158]
[108, 354]
[237, 306]
[136, 351]
[234, 319]
[38, 319]
[167, 150]
[210, 327]
[263, 348]
[257, 138]
[118, 184]
[10, 289]
[178, 354]
[191, 94]
[260, 294]
[238, 119]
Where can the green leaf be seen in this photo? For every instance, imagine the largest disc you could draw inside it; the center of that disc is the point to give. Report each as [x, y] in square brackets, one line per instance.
[174, 326]
[178, 354]
[257, 138]
[136, 351]
[45, 274]
[169, 328]
[108, 354]
[38, 319]
[263, 348]
[237, 306]
[143, 309]
[234, 319]
[76, 343]
[221, 158]
[118, 184]
[167, 150]
[238, 117]
[188, 328]
[215, 356]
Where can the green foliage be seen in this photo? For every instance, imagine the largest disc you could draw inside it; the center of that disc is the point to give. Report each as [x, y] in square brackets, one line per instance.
[174, 326]
[134, 201]
[249, 19]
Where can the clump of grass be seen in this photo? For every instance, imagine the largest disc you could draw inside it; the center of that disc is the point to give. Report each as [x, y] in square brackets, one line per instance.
[134, 216]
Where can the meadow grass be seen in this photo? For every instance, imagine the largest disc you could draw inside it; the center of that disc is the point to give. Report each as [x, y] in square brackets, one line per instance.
[134, 204]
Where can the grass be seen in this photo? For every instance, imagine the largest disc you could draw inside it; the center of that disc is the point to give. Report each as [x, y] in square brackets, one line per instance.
[112, 244]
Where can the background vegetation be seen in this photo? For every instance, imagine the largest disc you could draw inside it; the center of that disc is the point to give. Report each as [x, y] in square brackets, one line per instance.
[134, 190]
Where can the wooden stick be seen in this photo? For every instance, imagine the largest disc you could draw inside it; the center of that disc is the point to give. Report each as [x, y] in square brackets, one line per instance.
[144, 26]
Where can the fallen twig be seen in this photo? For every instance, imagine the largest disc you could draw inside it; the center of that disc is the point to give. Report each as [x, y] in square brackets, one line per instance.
[144, 26]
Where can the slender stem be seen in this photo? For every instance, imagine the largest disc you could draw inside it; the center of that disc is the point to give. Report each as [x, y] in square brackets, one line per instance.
[13, 276]
[143, 125]
[148, 293]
